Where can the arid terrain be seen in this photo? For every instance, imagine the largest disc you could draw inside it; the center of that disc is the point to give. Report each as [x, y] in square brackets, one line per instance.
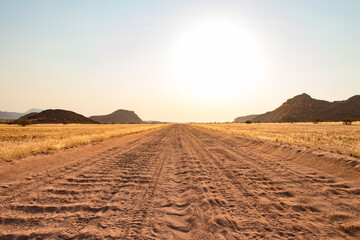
[17, 141]
[175, 182]
[329, 136]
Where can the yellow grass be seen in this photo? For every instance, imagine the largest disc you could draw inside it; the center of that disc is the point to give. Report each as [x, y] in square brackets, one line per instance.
[17, 141]
[333, 136]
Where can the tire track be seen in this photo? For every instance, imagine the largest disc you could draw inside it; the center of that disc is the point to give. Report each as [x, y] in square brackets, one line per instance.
[80, 203]
[247, 200]
[310, 182]
[21, 189]
[285, 188]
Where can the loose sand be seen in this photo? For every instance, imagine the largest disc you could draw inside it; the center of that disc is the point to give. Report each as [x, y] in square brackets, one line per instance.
[176, 182]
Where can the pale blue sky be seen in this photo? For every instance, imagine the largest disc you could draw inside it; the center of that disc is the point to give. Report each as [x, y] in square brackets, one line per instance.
[94, 57]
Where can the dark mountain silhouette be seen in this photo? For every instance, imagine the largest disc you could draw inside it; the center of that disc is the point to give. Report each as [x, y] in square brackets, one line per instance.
[119, 116]
[245, 118]
[16, 115]
[56, 116]
[303, 108]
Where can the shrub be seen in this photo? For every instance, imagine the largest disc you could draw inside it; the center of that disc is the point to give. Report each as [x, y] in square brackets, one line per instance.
[318, 120]
[23, 122]
[247, 121]
[347, 121]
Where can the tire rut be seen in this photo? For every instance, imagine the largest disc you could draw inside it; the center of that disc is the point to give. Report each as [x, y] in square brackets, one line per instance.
[96, 199]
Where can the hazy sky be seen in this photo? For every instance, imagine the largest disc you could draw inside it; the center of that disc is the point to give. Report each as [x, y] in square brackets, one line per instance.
[176, 60]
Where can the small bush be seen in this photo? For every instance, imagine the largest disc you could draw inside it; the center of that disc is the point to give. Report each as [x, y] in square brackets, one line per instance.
[248, 122]
[347, 121]
[24, 122]
[318, 120]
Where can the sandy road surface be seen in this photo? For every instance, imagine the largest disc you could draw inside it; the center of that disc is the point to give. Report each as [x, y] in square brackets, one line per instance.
[181, 182]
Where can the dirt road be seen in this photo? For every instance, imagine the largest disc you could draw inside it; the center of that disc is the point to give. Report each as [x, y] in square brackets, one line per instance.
[180, 182]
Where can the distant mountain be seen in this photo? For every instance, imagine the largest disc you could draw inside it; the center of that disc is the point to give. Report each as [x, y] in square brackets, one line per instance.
[245, 118]
[16, 115]
[9, 115]
[303, 108]
[119, 116]
[56, 116]
[35, 110]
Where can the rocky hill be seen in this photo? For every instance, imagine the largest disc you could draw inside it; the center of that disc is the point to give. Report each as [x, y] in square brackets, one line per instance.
[56, 116]
[119, 116]
[303, 108]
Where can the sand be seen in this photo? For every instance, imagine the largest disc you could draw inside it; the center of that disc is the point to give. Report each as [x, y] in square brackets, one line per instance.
[177, 182]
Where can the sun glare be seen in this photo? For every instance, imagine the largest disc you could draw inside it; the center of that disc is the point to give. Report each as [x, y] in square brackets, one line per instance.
[216, 59]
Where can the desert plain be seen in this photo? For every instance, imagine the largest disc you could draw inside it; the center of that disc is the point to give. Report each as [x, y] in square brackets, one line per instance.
[181, 181]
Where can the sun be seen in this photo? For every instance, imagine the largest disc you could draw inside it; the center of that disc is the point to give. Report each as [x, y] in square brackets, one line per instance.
[216, 59]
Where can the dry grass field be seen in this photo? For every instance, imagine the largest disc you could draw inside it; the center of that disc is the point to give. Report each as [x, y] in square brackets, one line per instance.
[17, 141]
[330, 136]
